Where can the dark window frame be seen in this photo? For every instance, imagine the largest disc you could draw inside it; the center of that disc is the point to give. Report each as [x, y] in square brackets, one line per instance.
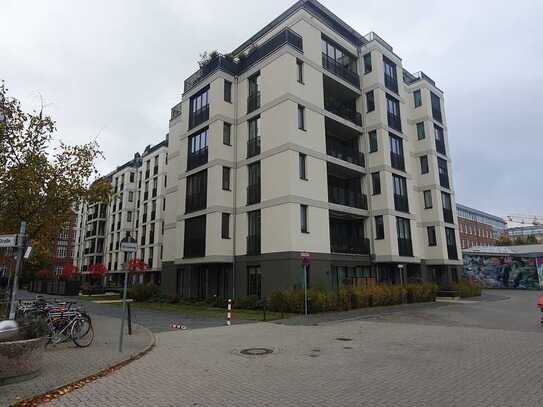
[376, 183]
[301, 117]
[427, 198]
[417, 98]
[227, 134]
[226, 178]
[304, 218]
[367, 63]
[300, 71]
[432, 237]
[227, 91]
[302, 166]
[421, 131]
[373, 141]
[379, 227]
[370, 101]
[424, 166]
[225, 225]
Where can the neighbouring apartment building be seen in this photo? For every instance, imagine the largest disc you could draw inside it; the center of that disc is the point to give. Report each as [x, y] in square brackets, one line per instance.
[526, 231]
[309, 140]
[136, 208]
[478, 228]
[64, 245]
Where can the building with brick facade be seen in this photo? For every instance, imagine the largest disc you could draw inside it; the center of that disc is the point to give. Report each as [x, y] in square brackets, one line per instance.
[478, 228]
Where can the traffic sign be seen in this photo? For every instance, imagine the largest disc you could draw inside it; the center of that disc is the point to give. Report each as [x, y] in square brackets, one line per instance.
[129, 245]
[8, 240]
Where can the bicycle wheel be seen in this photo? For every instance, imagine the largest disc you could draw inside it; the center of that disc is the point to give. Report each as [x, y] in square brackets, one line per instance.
[82, 332]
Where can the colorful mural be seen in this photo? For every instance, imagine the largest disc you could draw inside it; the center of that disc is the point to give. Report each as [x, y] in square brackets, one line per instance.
[493, 271]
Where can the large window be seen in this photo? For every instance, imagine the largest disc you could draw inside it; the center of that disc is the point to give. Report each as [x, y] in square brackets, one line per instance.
[432, 240]
[403, 229]
[421, 134]
[436, 107]
[199, 108]
[227, 134]
[396, 153]
[443, 172]
[367, 63]
[195, 237]
[417, 98]
[451, 243]
[198, 151]
[440, 140]
[447, 207]
[303, 219]
[253, 144]
[253, 187]
[196, 197]
[379, 228]
[375, 183]
[226, 178]
[401, 202]
[253, 232]
[225, 226]
[427, 199]
[370, 101]
[393, 113]
[227, 91]
[424, 164]
[338, 61]
[254, 282]
[253, 100]
[391, 77]
[374, 145]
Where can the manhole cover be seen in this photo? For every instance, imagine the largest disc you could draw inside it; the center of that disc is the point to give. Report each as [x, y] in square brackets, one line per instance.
[256, 351]
[344, 339]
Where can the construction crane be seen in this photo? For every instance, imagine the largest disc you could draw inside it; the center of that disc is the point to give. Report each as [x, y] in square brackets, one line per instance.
[525, 219]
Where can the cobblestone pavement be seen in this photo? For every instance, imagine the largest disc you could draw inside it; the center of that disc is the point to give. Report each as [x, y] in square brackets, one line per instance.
[441, 360]
[65, 363]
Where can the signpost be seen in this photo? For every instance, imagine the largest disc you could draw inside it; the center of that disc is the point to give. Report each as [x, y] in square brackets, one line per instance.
[306, 259]
[128, 245]
[8, 240]
[19, 242]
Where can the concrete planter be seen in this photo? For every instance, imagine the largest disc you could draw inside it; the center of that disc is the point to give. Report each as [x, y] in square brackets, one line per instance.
[21, 360]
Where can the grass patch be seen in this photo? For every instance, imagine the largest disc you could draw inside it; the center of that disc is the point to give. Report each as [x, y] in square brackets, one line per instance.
[91, 298]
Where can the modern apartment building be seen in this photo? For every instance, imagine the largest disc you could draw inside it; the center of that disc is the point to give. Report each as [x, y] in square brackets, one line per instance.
[478, 228]
[136, 208]
[309, 140]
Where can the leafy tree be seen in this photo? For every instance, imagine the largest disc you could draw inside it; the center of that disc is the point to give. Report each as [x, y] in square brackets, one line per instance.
[531, 240]
[41, 182]
[504, 240]
[519, 241]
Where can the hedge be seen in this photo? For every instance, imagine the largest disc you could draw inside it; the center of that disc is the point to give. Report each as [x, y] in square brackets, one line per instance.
[347, 298]
[466, 288]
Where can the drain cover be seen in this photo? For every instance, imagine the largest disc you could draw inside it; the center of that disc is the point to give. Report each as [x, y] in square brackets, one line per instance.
[256, 351]
[344, 339]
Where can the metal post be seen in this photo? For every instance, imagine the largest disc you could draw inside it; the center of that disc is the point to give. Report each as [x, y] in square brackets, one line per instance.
[129, 316]
[229, 312]
[18, 266]
[305, 289]
[124, 307]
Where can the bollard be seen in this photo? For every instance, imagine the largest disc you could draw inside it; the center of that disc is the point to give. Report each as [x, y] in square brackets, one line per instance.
[129, 318]
[229, 312]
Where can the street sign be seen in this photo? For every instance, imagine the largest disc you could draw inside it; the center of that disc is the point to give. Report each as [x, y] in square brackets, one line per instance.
[306, 257]
[129, 245]
[27, 253]
[8, 240]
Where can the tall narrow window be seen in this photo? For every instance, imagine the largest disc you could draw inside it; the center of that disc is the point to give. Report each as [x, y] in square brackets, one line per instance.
[391, 79]
[424, 164]
[253, 143]
[302, 159]
[370, 101]
[300, 70]
[199, 108]
[376, 183]
[417, 98]
[303, 218]
[401, 201]
[253, 100]
[374, 146]
[226, 133]
[301, 117]
[396, 152]
[227, 91]
[129, 216]
[440, 140]
[226, 178]
[379, 228]
[225, 226]
[436, 107]
[403, 228]
[393, 113]
[254, 282]
[367, 63]
[427, 199]
[198, 151]
[443, 172]
[421, 134]
[432, 240]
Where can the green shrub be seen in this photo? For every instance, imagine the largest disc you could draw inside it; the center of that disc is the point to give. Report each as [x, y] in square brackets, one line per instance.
[466, 288]
[250, 302]
[31, 328]
[146, 292]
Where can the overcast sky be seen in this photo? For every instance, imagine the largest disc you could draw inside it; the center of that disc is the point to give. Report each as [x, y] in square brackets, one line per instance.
[112, 69]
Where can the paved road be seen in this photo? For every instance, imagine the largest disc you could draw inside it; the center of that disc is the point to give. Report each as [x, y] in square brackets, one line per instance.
[476, 353]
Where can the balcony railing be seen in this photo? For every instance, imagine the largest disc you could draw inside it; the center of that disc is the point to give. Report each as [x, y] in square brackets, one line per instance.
[452, 252]
[391, 83]
[347, 198]
[401, 203]
[197, 158]
[253, 147]
[397, 161]
[253, 244]
[344, 153]
[331, 65]
[226, 64]
[394, 121]
[348, 245]
[195, 247]
[253, 102]
[253, 194]
[341, 110]
[448, 215]
[405, 247]
[198, 117]
[195, 202]
[444, 180]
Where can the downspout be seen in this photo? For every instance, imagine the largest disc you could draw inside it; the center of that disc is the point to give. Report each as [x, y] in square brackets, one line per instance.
[235, 190]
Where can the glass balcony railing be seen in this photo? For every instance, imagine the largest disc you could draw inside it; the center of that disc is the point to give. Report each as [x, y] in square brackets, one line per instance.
[331, 65]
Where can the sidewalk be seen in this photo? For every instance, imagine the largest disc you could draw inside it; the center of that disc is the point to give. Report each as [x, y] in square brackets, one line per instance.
[65, 363]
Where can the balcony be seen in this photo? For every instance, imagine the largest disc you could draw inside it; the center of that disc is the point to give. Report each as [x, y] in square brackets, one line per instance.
[401, 203]
[253, 102]
[344, 152]
[336, 68]
[350, 246]
[394, 121]
[391, 83]
[195, 247]
[448, 215]
[196, 202]
[253, 244]
[343, 110]
[253, 194]
[397, 161]
[347, 234]
[197, 158]
[452, 252]
[405, 247]
[253, 147]
[198, 117]
[346, 197]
